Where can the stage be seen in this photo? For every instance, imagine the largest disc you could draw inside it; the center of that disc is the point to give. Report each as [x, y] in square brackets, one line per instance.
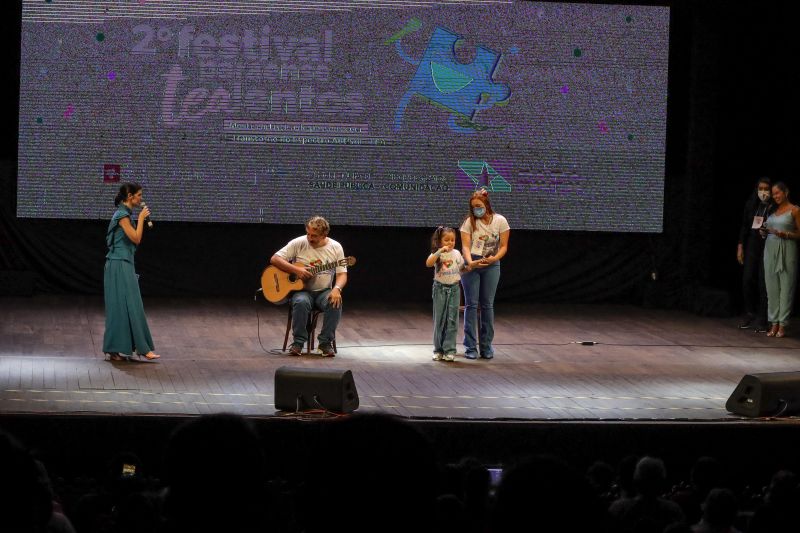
[645, 365]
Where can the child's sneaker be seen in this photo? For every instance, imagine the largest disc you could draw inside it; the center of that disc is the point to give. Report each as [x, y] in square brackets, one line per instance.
[437, 356]
[449, 357]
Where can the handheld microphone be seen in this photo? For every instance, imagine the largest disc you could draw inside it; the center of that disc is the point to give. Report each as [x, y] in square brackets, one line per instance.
[147, 218]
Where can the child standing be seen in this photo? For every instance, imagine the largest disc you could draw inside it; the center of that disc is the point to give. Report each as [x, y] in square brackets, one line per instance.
[448, 264]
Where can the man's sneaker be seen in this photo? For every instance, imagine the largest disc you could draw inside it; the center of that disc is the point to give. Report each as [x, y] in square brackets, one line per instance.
[437, 356]
[449, 357]
[296, 349]
[326, 350]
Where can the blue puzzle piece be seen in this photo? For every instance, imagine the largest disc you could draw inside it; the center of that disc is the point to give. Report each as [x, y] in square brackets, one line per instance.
[463, 89]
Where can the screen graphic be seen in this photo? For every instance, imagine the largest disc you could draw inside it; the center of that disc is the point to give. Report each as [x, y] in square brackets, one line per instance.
[382, 114]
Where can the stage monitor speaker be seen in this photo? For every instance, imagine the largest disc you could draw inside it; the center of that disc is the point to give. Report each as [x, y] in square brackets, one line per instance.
[769, 394]
[302, 389]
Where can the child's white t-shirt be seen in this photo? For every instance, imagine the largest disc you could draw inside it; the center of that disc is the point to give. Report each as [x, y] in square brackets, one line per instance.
[448, 268]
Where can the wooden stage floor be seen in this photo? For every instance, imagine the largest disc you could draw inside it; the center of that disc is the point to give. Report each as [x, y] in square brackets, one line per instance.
[646, 365]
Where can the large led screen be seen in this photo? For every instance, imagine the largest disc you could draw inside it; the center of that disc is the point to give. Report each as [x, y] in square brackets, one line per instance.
[370, 113]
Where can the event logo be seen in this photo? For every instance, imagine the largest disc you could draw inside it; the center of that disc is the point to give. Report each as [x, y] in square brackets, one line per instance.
[462, 89]
[111, 173]
[473, 175]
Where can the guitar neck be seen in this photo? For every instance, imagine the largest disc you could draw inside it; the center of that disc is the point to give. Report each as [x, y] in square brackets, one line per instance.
[323, 267]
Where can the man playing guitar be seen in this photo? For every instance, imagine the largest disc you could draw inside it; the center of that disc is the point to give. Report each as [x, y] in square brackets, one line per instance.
[313, 249]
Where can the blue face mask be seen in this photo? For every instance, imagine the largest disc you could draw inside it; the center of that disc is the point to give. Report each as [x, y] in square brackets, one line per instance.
[479, 211]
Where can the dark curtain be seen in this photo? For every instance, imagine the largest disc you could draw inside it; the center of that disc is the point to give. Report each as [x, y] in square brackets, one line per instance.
[731, 118]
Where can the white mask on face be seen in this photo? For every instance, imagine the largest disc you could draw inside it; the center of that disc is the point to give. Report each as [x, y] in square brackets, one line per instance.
[763, 196]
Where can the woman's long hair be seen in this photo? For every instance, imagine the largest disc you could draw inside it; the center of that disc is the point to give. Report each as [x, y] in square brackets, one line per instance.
[783, 188]
[482, 195]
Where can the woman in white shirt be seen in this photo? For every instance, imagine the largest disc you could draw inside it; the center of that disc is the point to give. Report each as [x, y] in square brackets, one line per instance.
[484, 238]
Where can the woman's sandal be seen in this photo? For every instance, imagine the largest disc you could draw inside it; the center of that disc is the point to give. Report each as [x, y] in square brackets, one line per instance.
[780, 333]
[115, 356]
[773, 330]
[149, 356]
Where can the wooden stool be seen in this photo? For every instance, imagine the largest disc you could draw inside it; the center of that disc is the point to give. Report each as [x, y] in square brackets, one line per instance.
[311, 329]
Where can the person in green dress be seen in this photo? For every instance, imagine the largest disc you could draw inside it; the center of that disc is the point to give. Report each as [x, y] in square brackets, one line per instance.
[782, 229]
[126, 326]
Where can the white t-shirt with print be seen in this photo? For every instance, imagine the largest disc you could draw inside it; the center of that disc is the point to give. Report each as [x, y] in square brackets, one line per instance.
[448, 268]
[486, 237]
[300, 251]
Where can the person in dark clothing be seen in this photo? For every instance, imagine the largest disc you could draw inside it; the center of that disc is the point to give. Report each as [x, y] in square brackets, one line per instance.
[750, 254]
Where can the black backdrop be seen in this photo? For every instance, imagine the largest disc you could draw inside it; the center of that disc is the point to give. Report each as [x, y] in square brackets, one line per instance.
[732, 117]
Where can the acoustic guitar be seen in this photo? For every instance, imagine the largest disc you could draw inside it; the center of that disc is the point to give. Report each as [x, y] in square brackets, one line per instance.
[277, 285]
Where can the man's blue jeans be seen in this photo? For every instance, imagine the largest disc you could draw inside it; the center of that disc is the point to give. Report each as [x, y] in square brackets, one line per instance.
[302, 303]
[480, 286]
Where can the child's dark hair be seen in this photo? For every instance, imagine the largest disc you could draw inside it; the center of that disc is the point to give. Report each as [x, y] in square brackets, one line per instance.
[124, 190]
[436, 238]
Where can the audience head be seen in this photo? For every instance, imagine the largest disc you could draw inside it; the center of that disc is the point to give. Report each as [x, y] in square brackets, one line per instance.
[600, 476]
[783, 489]
[650, 477]
[625, 475]
[547, 494]
[719, 509]
[706, 474]
[378, 464]
[25, 500]
[215, 476]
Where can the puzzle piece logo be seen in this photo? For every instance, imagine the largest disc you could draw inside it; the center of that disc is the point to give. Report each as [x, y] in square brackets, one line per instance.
[462, 89]
[473, 175]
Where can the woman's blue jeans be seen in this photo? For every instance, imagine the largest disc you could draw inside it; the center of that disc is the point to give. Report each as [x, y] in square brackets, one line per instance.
[479, 286]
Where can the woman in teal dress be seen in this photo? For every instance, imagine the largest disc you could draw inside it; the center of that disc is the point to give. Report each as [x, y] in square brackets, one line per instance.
[126, 326]
[780, 259]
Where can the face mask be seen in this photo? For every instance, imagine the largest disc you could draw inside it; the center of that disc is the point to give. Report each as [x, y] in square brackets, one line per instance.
[478, 211]
[763, 195]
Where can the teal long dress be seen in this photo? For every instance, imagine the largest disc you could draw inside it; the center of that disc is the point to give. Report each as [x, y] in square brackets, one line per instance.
[126, 324]
[780, 269]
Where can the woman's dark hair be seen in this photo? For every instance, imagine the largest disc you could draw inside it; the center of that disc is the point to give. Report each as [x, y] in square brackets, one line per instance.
[763, 179]
[436, 238]
[753, 201]
[782, 187]
[124, 190]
